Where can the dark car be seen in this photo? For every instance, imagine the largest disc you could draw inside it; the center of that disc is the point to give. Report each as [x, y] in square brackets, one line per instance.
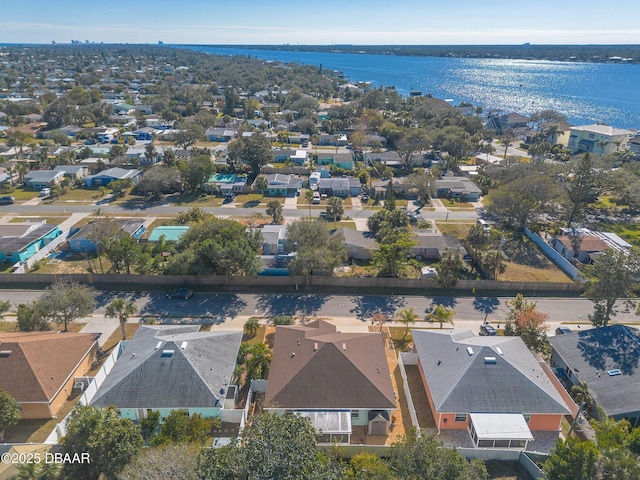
[180, 293]
[365, 197]
[487, 330]
[7, 200]
[562, 330]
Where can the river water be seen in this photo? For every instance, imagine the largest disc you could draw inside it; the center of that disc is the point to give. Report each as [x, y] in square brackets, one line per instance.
[585, 92]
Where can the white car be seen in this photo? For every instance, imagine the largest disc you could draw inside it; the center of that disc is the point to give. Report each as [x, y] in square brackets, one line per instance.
[316, 198]
[45, 192]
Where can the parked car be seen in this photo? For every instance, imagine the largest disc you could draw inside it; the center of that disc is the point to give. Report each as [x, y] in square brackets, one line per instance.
[562, 330]
[487, 330]
[365, 197]
[7, 200]
[179, 293]
[45, 192]
[316, 198]
[228, 198]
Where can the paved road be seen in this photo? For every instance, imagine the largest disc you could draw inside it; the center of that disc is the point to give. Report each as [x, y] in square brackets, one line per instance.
[230, 310]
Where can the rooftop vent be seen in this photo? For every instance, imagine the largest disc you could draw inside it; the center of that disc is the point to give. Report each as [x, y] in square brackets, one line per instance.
[490, 360]
[469, 351]
[315, 346]
[158, 345]
[499, 350]
[344, 347]
[612, 373]
[183, 345]
[167, 353]
[5, 353]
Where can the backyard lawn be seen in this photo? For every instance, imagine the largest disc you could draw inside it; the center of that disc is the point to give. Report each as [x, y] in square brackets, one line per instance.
[23, 194]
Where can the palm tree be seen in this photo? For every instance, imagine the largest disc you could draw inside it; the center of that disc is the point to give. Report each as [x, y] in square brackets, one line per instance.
[580, 394]
[274, 208]
[258, 363]
[251, 326]
[122, 309]
[22, 168]
[407, 316]
[335, 207]
[494, 262]
[442, 315]
[602, 144]
[261, 184]
[308, 195]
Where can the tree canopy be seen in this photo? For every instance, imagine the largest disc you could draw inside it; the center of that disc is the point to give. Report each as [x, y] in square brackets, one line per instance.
[216, 246]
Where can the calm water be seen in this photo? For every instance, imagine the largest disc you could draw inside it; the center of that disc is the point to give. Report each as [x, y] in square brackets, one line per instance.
[585, 92]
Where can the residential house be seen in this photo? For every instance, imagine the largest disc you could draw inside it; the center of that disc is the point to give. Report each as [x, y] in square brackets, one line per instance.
[226, 183]
[608, 360]
[457, 187]
[39, 369]
[165, 368]
[585, 245]
[20, 240]
[340, 381]
[297, 137]
[171, 233]
[389, 159]
[337, 140]
[145, 133]
[340, 160]
[559, 132]
[84, 240]
[431, 246]
[374, 140]
[634, 144]
[513, 120]
[221, 134]
[105, 177]
[474, 382]
[281, 185]
[124, 109]
[75, 172]
[340, 187]
[274, 239]
[359, 245]
[599, 139]
[297, 157]
[39, 179]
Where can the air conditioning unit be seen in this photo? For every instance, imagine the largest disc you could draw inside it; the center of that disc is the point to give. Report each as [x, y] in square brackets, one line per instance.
[79, 387]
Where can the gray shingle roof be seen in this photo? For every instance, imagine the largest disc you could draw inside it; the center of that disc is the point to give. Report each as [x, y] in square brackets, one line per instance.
[592, 353]
[196, 376]
[465, 383]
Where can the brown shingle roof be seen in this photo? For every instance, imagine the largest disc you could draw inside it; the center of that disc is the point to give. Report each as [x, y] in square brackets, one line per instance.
[329, 369]
[40, 362]
[589, 243]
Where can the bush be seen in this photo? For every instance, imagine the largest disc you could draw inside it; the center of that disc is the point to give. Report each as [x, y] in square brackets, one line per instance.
[30, 318]
[282, 320]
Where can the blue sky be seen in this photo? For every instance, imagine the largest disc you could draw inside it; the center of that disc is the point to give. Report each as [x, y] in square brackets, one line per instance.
[367, 22]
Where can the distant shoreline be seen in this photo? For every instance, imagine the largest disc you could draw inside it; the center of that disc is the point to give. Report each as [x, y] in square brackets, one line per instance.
[611, 54]
[629, 54]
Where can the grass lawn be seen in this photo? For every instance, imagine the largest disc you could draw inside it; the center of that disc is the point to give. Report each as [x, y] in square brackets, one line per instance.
[343, 224]
[51, 219]
[73, 327]
[259, 337]
[21, 193]
[604, 201]
[251, 200]
[453, 204]
[400, 341]
[627, 231]
[526, 263]
[303, 202]
[460, 230]
[82, 194]
[115, 338]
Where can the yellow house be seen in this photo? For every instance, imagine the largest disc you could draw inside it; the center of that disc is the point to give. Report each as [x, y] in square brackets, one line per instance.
[38, 369]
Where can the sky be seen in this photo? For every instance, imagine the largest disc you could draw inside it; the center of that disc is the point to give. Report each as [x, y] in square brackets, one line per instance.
[325, 22]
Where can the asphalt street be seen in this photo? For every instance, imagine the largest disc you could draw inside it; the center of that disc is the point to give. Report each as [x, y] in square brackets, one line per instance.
[230, 310]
